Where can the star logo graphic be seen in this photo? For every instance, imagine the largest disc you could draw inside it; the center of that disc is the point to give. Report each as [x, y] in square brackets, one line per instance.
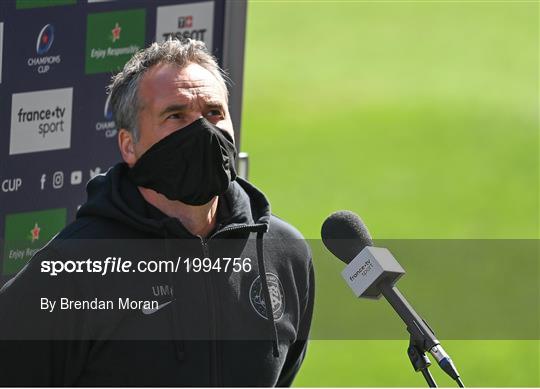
[35, 232]
[116, 32]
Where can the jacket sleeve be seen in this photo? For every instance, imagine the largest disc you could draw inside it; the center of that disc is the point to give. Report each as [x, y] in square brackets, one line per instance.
[297, 351]
[37, 347]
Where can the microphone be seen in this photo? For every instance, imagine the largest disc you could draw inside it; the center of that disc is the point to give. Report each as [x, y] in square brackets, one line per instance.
[372, 272]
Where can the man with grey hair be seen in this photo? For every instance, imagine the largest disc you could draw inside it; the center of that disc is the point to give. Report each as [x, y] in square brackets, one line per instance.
[235, 311]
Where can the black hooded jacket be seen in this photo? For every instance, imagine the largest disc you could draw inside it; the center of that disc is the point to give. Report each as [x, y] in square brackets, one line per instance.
[210, 328]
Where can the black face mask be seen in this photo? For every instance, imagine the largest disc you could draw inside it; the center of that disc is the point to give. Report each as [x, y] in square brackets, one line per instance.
[192, 165]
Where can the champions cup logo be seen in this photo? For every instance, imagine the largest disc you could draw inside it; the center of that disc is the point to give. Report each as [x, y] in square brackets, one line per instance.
[107, 111]
[108, 126]
[45, 39]
[44, 43]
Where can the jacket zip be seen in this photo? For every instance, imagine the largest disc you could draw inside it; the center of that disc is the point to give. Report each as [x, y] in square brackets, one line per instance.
[215, 366]
[235, 228]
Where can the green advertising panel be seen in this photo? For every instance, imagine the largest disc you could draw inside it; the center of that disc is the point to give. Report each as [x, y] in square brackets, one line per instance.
[23, 4]
[112, 38]
[26, 233]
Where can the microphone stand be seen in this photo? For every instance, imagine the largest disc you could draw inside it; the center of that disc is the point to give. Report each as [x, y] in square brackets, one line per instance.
[422, 338]
[420, 362]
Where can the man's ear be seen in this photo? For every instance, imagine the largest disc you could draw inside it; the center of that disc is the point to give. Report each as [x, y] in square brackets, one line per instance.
[127, 147]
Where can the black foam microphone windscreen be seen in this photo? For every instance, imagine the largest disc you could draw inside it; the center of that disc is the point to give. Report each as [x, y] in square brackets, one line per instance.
[345, 235]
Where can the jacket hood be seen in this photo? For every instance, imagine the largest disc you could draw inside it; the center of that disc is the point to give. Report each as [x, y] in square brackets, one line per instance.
[113, 195]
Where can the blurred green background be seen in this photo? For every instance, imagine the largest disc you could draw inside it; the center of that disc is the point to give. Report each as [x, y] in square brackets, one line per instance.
[420, 116]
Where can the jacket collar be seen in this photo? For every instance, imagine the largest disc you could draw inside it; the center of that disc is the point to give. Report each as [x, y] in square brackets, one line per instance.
[114, 196]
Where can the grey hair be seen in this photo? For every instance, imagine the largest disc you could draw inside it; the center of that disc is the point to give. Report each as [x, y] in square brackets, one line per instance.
[124, 86]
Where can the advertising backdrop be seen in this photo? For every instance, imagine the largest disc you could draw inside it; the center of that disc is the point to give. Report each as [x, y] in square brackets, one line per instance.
[56, 125]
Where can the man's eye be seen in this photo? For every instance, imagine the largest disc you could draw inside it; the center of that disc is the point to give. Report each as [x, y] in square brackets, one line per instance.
[214, 112]
[175, 116]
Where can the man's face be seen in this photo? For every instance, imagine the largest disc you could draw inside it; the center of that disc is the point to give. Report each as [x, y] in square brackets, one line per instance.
[170, 98]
